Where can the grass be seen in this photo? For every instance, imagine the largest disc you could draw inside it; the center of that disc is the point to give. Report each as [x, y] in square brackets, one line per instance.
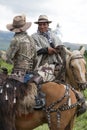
[81, 122]
[6, 65]
[42, 127]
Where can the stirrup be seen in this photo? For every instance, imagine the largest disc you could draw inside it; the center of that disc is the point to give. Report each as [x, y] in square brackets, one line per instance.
[40, 103]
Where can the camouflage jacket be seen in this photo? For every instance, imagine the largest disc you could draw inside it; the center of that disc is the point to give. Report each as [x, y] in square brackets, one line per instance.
[22, 52]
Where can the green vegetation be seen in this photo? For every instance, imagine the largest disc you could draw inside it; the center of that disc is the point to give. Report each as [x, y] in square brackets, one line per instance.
[6, 65]
[86, 57]
[80, 122]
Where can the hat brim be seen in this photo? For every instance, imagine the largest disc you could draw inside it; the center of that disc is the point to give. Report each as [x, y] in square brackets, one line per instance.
[10, 27]
[42, 21]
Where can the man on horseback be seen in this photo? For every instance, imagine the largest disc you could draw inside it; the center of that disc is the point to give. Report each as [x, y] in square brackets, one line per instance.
[22, 51]
[51, 51]
[49, 47]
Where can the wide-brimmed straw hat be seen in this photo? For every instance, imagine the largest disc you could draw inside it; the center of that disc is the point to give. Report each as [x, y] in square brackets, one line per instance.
[42, 19]
[19, 24]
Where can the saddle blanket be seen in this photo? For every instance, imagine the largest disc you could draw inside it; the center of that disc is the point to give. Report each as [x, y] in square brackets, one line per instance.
[47, 72]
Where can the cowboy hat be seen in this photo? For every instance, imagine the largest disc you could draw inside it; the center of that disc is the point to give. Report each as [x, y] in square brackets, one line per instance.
[19, 24]
[43, 18]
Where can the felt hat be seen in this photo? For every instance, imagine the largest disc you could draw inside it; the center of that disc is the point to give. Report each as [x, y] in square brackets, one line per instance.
[19, 24]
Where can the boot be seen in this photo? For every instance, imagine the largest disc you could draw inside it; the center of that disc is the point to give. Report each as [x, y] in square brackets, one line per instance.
[82, 109]
[40, 101]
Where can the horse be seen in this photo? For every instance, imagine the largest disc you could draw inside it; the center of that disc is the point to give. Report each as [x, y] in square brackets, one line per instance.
[76, 69]
[17, 113]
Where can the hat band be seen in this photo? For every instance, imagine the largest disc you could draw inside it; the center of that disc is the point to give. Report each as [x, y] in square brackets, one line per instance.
[42, 20]
[18, 26]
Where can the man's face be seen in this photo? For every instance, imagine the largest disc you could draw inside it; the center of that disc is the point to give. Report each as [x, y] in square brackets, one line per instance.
[43, 27]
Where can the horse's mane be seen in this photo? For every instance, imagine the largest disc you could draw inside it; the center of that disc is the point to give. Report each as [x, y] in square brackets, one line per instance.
[12, 92]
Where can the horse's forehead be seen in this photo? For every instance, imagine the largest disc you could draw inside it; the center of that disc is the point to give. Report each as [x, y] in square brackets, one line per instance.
[79, 62]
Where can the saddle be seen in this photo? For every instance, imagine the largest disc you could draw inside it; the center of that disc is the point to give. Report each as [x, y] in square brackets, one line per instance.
[46, 71]
[37, 79]
[40, 98]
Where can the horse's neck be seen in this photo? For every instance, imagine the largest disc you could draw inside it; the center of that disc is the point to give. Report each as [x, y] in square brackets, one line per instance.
[69, 79]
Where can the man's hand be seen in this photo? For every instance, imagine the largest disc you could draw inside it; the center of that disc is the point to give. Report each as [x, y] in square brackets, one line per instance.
[51, 51]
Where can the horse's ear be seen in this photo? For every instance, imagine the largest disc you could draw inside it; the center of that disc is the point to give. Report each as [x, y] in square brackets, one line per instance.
[82, 50]
[67, 51]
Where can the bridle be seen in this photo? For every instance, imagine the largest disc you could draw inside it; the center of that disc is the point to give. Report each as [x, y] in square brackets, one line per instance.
[82, 86]
[73, 58]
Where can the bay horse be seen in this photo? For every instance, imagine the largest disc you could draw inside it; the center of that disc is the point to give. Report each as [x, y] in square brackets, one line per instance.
[16, 112]
[76, 69]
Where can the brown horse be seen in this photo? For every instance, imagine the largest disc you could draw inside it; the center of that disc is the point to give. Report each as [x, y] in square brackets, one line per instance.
[15, 102]
[18, 99]
[76, 69]
[59, 104]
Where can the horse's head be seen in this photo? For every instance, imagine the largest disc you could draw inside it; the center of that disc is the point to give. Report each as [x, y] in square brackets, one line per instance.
[76, 69]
